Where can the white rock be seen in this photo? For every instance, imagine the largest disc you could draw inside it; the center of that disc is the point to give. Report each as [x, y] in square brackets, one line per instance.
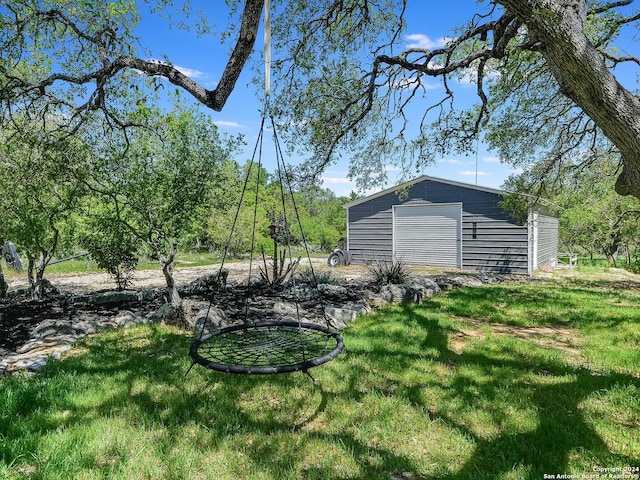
[209, 320]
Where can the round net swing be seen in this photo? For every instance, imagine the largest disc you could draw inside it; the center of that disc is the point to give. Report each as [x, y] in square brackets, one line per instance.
[275, 345]
[267, 346]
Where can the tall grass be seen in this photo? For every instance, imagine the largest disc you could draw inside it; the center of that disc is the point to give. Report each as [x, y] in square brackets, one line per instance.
[412, 396]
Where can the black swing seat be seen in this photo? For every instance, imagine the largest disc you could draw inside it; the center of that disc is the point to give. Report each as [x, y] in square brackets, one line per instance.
[267, 347]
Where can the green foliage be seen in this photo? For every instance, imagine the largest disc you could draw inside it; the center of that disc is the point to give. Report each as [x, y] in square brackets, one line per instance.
[250, 217]
[306, 275]
[356, 99]
[113, 248]
[325, 94]
[41, 190]
[278, 269]
[389, 273]
[594, 220]
[156, 181]
[322, 218]
[167, 193]
[43, 37]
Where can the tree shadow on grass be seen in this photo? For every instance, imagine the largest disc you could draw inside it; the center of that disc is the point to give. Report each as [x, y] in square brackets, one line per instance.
[556, 392]
[501, 302]
[270, 421]
[140, 381]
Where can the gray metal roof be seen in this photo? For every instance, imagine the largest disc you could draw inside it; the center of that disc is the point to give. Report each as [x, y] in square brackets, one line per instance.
[420, 179]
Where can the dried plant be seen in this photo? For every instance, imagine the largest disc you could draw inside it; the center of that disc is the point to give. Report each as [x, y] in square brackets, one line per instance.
[279, 272]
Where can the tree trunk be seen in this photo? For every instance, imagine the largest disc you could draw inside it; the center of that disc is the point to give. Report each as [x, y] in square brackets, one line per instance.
[174, 311]
[583, 77]
[172, 289]
[31, 261]
[46, 257]
[627, 254]
[40, 279]
[3, 284]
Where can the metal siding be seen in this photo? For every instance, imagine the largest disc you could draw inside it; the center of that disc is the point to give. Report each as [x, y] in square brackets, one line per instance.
[500, 244]
[370, 231]
[547, 241]
[427, 234]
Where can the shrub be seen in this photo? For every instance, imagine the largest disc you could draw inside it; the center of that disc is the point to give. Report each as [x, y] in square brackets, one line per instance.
[389, 273]
[307, 276]
[114, 249]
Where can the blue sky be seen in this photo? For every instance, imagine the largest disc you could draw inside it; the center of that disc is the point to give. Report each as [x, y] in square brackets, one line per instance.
[429, 23]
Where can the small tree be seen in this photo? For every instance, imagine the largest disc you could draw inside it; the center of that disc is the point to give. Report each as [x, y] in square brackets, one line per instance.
[113, 248]
[40, 190]
[155, 181]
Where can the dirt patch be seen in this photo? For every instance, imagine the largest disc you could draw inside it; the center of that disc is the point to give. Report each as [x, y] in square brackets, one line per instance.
[559, 337]
[615, 278]
[81, 283]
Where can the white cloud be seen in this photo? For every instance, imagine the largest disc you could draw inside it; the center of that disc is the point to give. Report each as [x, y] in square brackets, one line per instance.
[473, 173]
[517, 171]
[431, 86]
[342, 186]
[189, 72]
[420, 40]
[337, 181]
[227, 123]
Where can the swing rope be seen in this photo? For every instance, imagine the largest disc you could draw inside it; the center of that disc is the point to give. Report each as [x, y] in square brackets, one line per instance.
[267, 346]
[274, 346]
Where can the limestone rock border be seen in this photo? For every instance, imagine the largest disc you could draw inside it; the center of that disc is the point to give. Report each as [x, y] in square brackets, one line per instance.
[339, 305]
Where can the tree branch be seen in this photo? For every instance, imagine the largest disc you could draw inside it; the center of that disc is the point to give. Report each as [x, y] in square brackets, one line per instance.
[609, 6]
[103, 40]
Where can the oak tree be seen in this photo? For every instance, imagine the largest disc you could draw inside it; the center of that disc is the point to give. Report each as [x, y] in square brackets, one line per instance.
[40, 190]
[153, 182]
[346, 78]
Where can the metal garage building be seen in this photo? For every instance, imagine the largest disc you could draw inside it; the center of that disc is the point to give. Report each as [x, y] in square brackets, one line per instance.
[436, 222]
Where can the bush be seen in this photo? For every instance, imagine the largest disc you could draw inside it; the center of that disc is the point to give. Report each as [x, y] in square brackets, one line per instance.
[307, 276]
[114, 249]
[389, 273]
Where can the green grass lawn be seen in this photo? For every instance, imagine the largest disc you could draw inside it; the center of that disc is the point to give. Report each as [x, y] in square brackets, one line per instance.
[427, 392]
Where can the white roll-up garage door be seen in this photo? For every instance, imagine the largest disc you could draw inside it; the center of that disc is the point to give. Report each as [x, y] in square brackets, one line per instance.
[428, 234]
